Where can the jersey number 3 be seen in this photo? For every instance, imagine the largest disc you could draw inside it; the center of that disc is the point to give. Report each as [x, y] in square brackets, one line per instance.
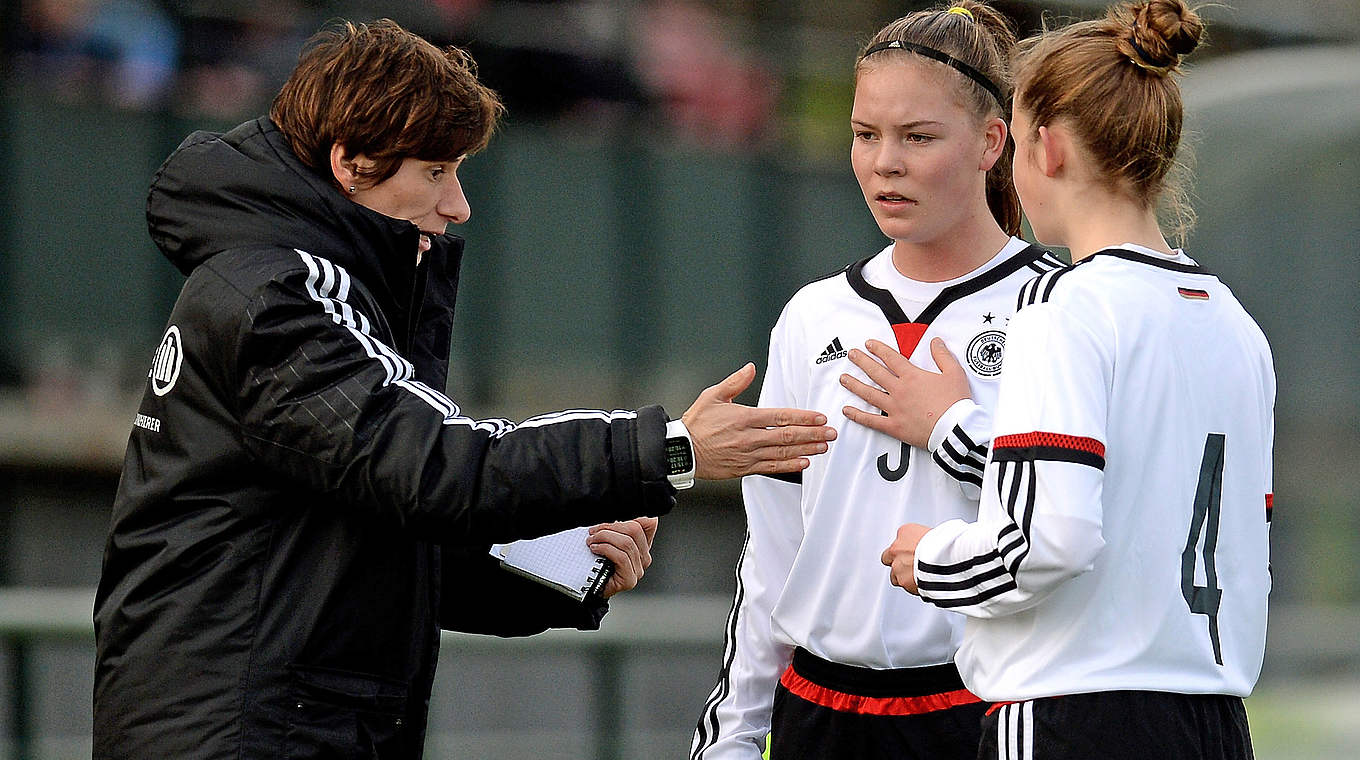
[1204, 600]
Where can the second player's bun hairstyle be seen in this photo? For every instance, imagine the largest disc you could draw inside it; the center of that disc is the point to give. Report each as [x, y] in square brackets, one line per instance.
[979, 40]
[1159, 34]
[1112, 82]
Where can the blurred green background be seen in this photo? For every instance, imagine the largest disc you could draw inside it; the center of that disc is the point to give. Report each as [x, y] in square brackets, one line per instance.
[671, 172]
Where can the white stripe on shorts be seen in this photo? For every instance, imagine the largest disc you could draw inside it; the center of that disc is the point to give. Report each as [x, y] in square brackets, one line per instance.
[1015, 731]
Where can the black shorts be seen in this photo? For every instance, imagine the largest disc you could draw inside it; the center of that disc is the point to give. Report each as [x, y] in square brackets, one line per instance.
[1118, 725]
[828, 711]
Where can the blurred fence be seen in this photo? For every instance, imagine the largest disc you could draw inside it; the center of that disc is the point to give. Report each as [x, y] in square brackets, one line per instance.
[605, 694]
[632, 689]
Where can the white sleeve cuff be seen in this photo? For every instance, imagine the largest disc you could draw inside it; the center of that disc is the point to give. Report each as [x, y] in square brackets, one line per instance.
[951, 417]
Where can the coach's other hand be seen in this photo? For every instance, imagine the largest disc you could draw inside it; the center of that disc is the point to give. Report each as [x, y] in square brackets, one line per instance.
[731, 440]
[900, 556]
[628, 545]
[912, 399]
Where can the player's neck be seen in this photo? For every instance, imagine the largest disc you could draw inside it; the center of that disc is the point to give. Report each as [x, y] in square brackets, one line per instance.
[1107, 221]
[965, 248]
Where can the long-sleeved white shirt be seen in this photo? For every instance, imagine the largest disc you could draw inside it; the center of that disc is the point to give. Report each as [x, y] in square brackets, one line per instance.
[810, 575]
[1122, 536]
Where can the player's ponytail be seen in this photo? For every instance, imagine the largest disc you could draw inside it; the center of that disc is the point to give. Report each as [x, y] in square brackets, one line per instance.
[1112, 82]
[979, 40]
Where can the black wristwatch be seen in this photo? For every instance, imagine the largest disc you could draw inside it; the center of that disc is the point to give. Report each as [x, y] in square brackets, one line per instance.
[680, 463]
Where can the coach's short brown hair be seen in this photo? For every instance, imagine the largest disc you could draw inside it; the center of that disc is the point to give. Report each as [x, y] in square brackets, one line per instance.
[384, 92]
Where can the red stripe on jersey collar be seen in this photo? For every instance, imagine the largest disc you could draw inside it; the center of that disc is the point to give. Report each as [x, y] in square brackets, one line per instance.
[861, 705]
[1049, 440]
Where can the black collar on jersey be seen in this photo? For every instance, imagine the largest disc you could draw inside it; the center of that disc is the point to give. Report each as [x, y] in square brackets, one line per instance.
[1143, 258]
[942, 57]
[893, 312]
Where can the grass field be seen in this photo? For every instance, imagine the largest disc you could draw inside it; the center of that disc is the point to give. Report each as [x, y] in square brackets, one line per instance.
[1315, 720]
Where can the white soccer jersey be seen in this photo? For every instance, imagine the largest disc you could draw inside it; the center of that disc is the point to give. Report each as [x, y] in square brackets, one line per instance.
[1122, 537]
[809, 574]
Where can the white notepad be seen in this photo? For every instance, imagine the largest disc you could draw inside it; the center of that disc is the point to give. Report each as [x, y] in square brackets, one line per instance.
[561, 560]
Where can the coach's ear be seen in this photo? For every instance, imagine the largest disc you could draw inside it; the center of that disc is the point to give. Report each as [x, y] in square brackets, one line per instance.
[347, 169]
[1055, 147]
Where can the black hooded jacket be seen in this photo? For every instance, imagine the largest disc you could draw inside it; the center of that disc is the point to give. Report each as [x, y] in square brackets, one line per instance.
[301, 507]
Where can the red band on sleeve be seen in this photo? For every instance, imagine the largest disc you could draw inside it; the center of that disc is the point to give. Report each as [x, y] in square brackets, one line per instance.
[1049, 440]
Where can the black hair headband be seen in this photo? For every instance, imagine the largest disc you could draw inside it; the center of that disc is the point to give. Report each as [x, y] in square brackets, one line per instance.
[945, 58]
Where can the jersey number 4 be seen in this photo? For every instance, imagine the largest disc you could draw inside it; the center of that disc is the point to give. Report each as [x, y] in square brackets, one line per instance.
[1204, 600]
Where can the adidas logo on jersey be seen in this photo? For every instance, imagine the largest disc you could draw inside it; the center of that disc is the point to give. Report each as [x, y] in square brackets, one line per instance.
[833, 351]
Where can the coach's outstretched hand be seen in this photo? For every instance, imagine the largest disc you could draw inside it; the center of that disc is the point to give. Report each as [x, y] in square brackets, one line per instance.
[731, 440]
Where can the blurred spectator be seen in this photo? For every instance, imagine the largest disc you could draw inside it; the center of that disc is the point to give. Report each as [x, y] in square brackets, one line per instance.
[549, 59]
[594, 61]
[706, 85]
[602, 62]
[120, 51]
[237, 54]
[457, 14]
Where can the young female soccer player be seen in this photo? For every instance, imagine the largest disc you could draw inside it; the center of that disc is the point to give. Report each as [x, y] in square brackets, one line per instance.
[1117, 576]
[822, 653]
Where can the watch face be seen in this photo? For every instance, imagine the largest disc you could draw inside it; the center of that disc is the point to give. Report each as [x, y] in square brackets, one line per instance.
[679, 456]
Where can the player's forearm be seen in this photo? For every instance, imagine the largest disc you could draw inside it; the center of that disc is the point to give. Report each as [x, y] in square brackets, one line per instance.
[988, 571]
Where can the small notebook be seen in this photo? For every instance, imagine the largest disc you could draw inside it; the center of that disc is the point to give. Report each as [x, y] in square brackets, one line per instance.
[561, 560]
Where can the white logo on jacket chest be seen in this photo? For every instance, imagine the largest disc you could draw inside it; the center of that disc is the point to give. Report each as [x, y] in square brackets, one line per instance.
[165, 367]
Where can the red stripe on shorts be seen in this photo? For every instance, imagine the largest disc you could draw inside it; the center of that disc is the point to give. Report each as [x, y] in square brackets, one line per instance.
[854, 703]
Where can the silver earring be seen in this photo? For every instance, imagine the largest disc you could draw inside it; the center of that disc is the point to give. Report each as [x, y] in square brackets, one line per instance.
[351, 189]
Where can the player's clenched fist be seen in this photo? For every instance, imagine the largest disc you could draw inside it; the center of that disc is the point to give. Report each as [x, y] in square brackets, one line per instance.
[900, 556]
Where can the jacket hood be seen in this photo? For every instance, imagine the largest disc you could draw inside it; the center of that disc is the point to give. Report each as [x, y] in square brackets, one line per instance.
[246, 188]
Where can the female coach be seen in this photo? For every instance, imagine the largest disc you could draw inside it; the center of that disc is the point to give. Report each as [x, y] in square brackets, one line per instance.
[301, 507]
[1117, 576]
